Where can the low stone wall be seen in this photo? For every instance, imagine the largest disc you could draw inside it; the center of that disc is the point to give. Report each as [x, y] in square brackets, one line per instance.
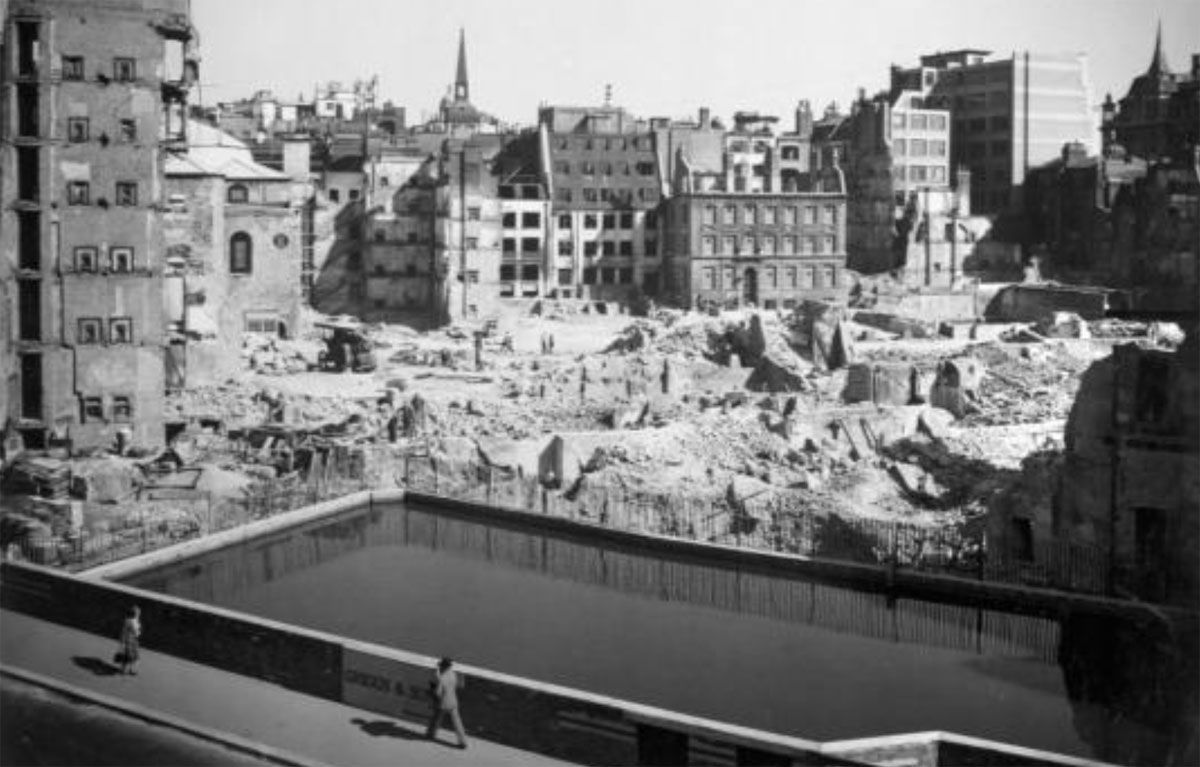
[522, 713]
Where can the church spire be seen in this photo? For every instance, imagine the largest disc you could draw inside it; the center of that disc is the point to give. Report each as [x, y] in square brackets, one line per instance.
[1158, 64]
[461, 89]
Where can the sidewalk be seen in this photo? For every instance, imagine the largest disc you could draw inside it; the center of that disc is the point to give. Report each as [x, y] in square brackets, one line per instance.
[274, 716]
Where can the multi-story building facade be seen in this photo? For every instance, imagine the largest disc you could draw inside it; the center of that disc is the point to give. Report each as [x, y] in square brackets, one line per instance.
[233, 237]
[770, 250]
[920, 137]
[398, 262]
[605, 185]
[1159, 117]
[1007, 114]
[743, 233]
[526, 258]
[92, 94]
[467, 233]
[902, 212]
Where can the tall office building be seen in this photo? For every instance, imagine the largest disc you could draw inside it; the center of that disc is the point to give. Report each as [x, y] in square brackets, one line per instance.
[1008, 114]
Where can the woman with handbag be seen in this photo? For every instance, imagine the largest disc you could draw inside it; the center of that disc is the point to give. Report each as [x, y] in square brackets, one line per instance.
[131, 632]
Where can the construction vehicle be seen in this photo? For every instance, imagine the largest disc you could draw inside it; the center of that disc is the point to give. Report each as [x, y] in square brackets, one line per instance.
[347, 348]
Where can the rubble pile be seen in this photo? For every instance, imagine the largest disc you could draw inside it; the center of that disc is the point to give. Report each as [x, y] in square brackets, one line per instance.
[273, 356]
[745, 410]
[1026, 385]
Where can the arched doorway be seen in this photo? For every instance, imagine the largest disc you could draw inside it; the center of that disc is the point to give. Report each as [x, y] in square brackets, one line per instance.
[750, 287]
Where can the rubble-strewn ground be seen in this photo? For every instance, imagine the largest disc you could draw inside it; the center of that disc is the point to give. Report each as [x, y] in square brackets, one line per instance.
[736, 409]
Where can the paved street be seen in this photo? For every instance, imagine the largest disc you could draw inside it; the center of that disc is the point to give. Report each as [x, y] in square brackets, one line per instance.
[316, 730]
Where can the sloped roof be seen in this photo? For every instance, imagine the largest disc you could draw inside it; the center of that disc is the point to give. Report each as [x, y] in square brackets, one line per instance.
[212, 152]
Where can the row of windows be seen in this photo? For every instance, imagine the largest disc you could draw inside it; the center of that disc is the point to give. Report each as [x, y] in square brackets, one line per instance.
[606, 248]
[979, 149]
[411, 238]
[566, 194]
[933, 173]
[711, 245]
[589, 168]
[918, 122]
[92, 409]
[80, 193]
[979, 125]
[590, 249]
[613, 221]
[522, 191]
[741, 146]
[768, 215]
[529, 220]
[124, 69]
[608, 275]
[807, 277]
[79, 131]
[335, 195]
[919, 147]
[91, 331]
[605, 144]
[88, 259]
[529, 272]
[528, 245]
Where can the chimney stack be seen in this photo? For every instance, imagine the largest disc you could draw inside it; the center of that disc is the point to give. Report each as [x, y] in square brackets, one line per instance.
[804, 118]
[705, 118]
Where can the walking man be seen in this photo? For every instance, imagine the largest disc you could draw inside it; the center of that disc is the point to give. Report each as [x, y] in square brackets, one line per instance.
[444, 689]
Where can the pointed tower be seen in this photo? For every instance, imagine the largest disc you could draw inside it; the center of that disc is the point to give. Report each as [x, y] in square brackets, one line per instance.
[1158, 64]
[461, 89]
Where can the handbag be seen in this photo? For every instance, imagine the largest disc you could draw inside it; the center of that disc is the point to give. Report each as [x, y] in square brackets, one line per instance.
[119, 657]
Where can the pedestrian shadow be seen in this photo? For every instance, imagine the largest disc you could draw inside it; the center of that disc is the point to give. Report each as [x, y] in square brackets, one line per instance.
[384, 728]
[97, 666]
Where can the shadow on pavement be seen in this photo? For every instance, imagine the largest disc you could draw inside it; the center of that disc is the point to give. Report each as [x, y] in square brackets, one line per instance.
[97, 666]
[383, 727]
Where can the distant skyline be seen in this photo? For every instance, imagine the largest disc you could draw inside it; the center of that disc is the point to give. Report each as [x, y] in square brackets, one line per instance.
[661, 57]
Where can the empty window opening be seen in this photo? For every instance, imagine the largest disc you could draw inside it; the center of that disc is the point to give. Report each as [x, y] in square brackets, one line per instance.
[1152, 381]
[28, 172]
[28, 48]
[122, 409]
[92, 410]
[28, 107]
[31, 386]
[30, 239]
[29, 297]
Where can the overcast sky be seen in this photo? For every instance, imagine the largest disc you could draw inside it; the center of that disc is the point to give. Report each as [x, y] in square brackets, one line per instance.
[662, 57]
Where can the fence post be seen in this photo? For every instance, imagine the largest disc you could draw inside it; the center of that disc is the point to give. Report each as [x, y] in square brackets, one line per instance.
[436, 482]
[490, 481]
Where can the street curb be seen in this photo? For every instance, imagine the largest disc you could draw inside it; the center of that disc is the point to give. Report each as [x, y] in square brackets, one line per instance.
[151, 716]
